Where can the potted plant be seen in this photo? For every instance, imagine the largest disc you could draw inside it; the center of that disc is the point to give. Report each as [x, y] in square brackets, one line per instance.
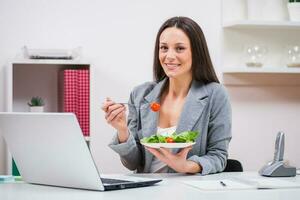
[294, 10]
[36, 104]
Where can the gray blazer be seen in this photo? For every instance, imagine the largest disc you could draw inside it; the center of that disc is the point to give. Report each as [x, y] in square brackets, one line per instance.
[206, 110]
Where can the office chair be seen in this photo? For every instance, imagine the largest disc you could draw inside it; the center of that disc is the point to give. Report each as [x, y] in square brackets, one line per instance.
[233, 166]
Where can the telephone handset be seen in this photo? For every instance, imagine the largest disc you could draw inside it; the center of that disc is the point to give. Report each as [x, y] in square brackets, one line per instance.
[279, 147]
[277, 168]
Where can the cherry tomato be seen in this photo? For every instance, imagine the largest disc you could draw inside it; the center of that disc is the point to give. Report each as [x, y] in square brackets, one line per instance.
[155, 106]
[169, 140]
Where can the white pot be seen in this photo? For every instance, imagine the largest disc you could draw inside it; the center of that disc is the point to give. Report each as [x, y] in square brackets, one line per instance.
[268, 10]
[275, 10]
[239, 8]
[255, 9]
[36, 108]
[294, 11]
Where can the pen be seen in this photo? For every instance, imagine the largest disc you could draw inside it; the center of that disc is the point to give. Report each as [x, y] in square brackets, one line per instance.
[222, 183]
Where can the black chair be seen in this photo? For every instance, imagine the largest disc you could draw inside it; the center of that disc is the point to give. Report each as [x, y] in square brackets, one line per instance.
[233, 166]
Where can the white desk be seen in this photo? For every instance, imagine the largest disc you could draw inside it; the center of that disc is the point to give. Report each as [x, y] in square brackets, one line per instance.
[172, 187]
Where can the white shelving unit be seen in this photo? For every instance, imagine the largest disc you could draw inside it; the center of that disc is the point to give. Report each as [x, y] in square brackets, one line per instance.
[27, 77]
[275, 35]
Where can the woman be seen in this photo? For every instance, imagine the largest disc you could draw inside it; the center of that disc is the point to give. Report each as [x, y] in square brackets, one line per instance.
[191, 99]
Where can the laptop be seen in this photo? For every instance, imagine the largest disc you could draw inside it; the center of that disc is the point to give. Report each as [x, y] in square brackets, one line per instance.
[49, 149]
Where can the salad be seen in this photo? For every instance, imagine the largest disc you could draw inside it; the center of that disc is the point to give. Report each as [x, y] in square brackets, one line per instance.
[184, 137]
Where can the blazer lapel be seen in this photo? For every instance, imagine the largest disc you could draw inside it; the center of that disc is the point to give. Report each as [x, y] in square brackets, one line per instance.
[149, 119]
[192, 109]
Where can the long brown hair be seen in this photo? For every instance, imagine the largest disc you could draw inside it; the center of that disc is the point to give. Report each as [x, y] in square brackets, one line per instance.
[202, 68]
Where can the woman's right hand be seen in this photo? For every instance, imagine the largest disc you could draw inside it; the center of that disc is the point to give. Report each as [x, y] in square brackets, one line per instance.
[115, 115]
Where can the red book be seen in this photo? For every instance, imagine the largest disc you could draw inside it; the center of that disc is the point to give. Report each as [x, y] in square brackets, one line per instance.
[83, 105]
[77, 96]
[70, 90]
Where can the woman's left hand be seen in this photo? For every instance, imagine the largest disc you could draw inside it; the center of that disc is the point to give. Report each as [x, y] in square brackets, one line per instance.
[177, 162]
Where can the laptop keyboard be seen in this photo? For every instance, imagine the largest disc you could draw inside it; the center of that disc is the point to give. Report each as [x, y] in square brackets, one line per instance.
[113, 181]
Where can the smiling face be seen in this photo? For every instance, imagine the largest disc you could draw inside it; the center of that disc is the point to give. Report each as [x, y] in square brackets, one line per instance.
[175, 53]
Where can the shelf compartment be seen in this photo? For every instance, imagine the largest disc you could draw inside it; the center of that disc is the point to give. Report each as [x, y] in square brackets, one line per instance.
[27, 78]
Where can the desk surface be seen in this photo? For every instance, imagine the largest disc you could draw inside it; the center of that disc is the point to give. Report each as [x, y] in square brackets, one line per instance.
[172, 186]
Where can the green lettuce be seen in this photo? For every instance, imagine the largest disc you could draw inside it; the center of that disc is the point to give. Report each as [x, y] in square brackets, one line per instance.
[183, 137]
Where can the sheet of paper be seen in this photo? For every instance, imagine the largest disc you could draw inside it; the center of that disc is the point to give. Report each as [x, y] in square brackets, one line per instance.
[216, 185]
[240, 184]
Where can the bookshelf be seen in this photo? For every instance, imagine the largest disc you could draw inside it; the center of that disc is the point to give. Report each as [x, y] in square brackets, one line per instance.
[26, 78]
[240, 32]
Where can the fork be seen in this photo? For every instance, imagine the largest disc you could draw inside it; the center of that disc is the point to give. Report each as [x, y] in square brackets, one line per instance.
[123, 103]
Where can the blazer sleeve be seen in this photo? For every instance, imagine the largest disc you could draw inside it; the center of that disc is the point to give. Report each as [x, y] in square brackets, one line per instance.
[219, 134]
[130, 151]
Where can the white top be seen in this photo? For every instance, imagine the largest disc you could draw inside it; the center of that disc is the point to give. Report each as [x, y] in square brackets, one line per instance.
[157, 166]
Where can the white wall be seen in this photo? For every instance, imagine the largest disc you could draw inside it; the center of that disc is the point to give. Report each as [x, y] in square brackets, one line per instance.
[118, 39]
[259, 112]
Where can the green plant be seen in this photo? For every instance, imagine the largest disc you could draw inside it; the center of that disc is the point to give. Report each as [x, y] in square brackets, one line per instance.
[294, 1]
[36, 101]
